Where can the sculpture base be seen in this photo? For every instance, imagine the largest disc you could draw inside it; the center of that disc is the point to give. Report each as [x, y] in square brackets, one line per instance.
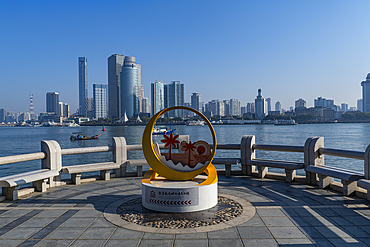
[179, 196]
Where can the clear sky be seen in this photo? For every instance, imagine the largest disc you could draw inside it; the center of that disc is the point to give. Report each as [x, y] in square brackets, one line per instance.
[220, 49]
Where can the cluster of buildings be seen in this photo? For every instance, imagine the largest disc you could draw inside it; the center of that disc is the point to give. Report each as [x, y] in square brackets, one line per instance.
[123, 97]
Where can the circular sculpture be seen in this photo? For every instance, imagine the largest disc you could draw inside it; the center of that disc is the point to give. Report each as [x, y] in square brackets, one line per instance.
[154, 161]
[180, 188]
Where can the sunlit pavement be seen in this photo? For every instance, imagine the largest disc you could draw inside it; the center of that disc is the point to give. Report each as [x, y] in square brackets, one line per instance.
[286, 214]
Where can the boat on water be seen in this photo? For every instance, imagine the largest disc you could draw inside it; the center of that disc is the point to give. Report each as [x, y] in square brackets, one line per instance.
[162, 130]
[195, 123]
[79, 136]
[285, 122]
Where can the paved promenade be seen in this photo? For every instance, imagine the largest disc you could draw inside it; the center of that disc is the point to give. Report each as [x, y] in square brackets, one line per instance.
[287, 214]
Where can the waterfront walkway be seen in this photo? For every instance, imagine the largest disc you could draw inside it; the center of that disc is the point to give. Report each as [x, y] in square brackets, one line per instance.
[287, 214]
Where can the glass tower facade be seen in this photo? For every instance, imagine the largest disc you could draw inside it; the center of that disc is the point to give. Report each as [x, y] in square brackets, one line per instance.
[83, 86]
[115, 63]
[52, 103]
[100, 96]
[366, 94]
[157, 96]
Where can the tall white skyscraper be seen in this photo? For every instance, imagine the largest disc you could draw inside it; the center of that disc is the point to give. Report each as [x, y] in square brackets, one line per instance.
[83, 86]
[157, 97]
[196, 102]
[100, 97]
[261, 105]
[366, 94]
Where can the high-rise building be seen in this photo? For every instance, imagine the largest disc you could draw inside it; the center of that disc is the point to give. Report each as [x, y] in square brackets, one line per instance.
[344, 107]
[268, 100]
[100, 96]
[145, 105]
[366, 94]
[115, 63]
[66, 110]
[196, 102]
[322, 102]
[175, 97]
[227, 111]
[157, 97]
[250, 108]
[89, 107]
[234, 107]
[261, 105]
[2, 115]
[359, 105]
[300, 103]
[130, 87]
[278, 106]
[52, 103]
[83, 86]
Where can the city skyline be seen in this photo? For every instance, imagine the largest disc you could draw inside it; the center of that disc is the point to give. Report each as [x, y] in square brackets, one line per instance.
[222, 51]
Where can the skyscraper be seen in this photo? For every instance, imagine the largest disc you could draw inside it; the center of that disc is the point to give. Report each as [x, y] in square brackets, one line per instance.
[2, 115]
[130, 87]
[52, 103]
[100, 96]
[366, 94]
[196, 102]
[115, 63]
[300, 103]
[278, 106]
[268, 100]
[261, 105]
[175, 97]
[157, 96]
[234, 107]
[359, 105]
[83, 86]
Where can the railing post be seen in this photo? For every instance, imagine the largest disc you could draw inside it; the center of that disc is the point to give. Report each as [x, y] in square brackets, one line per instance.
[247, 153]
[120, 155]
[53, 160]
[312, 157]
[367, 163]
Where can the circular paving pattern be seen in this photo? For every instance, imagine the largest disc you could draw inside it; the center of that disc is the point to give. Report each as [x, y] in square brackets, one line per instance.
[130, 214]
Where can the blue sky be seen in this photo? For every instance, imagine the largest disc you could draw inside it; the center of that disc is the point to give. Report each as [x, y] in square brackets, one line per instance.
[220, 49]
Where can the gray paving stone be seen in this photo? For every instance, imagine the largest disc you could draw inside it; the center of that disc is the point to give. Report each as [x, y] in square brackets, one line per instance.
[299, 221]
[54, 242]
[201, 235]
[88, 243]
[358, 220]
[341, 221]
[37, 222]
[269, 212]
[310, 232]
[97, 233]
[77, 222]
[224, 233]
[10, 242]
[19, 233]
[277, 221]
[327, 212]
[224, 242]
[321, 242]
[319, 221]
[102, 222]
[289, 212]
[148, 235]
[254, 232]
[191, 242]
[259, 242]
[332, 232]
[294, 242]
[65, 233]
[286, 232]
[15, 213]
[125, 243]
[346, 242]
[122, 233]
[87, 213]
[156, 242]
[345, 211]
[4, 221]
[255, 221]
[356, 231]
[307, 212]
[51, 213]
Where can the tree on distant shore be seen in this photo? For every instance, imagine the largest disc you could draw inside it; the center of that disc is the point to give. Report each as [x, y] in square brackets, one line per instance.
[357, 115]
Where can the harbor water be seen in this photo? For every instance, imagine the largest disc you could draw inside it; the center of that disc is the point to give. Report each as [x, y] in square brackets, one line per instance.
[347, 136]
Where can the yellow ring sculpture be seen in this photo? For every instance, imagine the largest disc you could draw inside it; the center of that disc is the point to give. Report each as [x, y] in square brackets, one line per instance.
[160, 168]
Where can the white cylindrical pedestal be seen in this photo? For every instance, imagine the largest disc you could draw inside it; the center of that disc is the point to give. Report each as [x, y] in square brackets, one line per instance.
[179, 196]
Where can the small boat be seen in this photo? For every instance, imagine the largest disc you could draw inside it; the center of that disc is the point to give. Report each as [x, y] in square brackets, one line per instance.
[161, 131]
[79, 136]
[285, 122]
[195, 123]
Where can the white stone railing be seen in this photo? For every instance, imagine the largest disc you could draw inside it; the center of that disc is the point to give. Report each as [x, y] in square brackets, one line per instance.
[312, 163]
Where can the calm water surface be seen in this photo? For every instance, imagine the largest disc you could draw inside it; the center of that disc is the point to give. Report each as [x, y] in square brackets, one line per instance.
[22, 140]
